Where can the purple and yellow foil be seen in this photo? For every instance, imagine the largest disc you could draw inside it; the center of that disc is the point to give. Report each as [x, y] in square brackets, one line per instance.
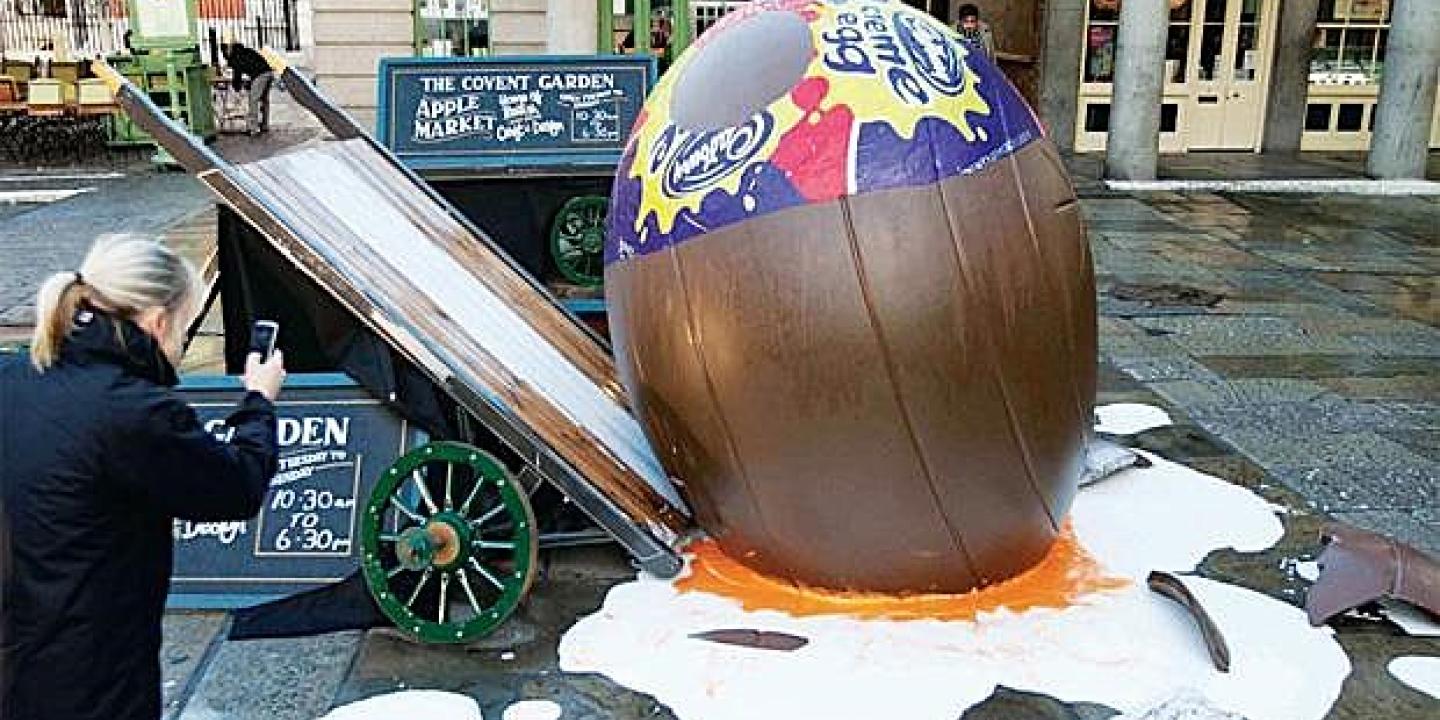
[891, 98]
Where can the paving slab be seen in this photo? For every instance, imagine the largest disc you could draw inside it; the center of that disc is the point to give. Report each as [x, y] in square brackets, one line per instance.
[286, 679]
[54, 237]
[1344, 471]
[1242, 391]
[1164, 367]
[1230, 335]
[188, 640]
[1320, 365]
[520, 661]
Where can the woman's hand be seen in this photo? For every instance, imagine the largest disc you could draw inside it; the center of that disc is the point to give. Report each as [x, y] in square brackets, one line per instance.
[265, 377]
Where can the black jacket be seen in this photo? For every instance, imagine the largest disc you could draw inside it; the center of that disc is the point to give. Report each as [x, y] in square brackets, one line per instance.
[245, 63]
[97, 456]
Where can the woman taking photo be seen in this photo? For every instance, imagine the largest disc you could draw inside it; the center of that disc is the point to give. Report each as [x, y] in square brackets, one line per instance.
[98, 455]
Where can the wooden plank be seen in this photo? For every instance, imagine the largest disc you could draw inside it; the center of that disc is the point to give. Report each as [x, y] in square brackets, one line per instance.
[344, 126]
[484, 264]
[597, 450]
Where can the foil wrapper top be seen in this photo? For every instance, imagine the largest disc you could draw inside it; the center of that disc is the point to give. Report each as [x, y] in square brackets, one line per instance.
[787, 103]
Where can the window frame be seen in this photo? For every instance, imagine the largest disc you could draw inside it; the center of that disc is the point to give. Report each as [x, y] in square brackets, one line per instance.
[421, 40]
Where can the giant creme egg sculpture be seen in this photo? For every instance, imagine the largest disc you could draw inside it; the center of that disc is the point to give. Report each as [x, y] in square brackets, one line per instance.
[852, 301]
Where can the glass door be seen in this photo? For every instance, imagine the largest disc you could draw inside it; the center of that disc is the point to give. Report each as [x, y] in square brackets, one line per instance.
[1230, 66]
[1249, 58]
[1205, 126]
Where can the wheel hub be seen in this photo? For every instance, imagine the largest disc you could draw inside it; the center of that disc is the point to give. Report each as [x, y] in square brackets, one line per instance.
[442, 543]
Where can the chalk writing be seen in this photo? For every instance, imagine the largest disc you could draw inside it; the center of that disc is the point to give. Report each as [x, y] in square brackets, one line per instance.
[478, 107]
[225, 533]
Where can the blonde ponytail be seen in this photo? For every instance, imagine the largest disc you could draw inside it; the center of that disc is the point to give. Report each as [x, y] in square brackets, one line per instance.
[123, 275]
[55, 307]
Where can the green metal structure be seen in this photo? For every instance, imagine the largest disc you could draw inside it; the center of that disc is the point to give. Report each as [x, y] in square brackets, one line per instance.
[168, 66]
[449, 543]
[682, 31]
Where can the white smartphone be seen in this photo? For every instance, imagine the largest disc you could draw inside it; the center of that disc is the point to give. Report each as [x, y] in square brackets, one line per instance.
[262, 338]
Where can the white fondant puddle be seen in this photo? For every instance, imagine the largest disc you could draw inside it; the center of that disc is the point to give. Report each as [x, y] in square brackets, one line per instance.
[1129, 418]
[533, 710]
[428, 704]
[1129, 649]
[1419, 672]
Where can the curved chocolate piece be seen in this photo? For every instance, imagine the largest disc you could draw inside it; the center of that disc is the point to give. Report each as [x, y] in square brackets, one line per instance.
[857, 320]
[1171, 586]
[1358, 566]
[758, 639]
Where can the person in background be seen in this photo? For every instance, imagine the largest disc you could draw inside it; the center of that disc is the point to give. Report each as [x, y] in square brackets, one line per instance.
[972, 28]
[248, 69]
[659, 37]
[98, 457]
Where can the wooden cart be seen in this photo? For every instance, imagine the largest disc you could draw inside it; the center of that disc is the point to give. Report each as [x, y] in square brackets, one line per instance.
[449, 538]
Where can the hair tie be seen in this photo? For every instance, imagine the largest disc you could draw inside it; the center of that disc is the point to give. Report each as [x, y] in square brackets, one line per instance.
[79, 279]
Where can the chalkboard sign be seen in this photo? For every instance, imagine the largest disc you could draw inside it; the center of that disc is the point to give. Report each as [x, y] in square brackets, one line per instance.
[335, 441]
[512, 113]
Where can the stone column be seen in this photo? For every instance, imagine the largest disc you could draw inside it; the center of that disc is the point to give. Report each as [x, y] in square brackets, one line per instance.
[1060, 69]
[572, 27]
[1133, 146]
[1406, 108]
[1290, 78]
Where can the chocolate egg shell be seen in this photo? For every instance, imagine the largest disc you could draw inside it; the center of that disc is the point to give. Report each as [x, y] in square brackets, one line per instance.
[852, 301]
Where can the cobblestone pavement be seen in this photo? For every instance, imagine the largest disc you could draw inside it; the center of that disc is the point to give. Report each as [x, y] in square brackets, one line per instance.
[119, 192]
[39, 239]
[1322, 360]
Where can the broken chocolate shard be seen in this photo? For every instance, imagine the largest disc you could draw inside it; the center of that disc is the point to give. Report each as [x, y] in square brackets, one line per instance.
[758, 639]
[1171, 586]
[1358, 567]
[1105, 457]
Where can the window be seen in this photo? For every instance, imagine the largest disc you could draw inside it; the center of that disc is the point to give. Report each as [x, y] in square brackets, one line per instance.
[1169, 117]
[669, 21]
[1097, 118]
[1350, 118]
[46, 8]
[939, 9]
[1102, 28]
[452, 28]
[1317, 117]
[1350, 38]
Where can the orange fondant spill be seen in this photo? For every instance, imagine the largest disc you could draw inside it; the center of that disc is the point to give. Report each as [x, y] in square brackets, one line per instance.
[1066, 574]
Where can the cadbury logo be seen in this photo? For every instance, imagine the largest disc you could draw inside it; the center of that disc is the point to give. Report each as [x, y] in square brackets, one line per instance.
[912, 54]
[696, 161]
[933, 53]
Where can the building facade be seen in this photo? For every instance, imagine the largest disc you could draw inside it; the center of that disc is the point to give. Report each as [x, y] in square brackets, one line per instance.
[1237, 75]
[1219, 65]
[1219, 56]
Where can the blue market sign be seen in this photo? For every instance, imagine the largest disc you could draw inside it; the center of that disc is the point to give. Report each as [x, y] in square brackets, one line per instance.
[514, 113]
[335, 441]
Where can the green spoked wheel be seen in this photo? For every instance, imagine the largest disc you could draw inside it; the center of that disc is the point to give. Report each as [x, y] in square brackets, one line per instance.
[577, 240]
[449, 543]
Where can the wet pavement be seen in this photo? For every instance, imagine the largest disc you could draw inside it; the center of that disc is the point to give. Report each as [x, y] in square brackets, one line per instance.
[120, 190]
[1314, 381]
[1321, 363]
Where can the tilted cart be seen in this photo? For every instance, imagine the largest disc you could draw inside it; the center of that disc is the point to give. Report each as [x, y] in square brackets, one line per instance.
[449, 538]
